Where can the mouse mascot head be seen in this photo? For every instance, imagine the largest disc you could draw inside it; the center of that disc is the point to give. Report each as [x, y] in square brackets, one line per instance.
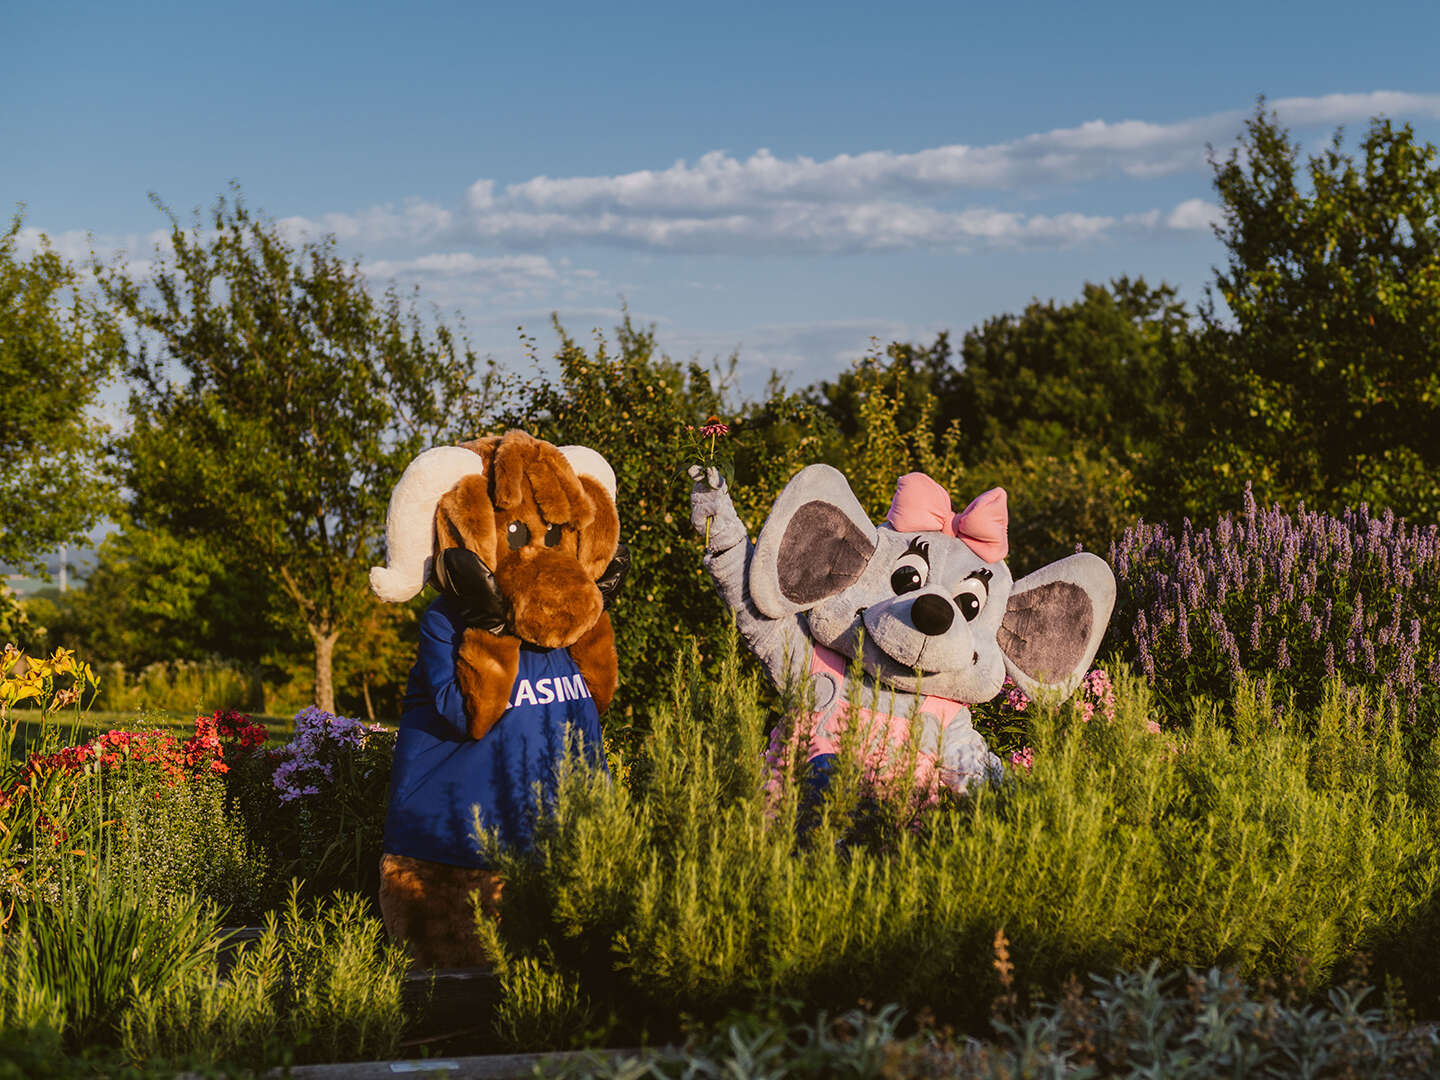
[515, 660]
[922, 603]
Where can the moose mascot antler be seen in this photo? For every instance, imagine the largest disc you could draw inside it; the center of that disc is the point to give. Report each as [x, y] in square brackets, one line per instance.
[516, 660]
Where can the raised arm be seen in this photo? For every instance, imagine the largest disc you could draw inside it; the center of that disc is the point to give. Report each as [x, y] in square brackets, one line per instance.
[781, 644]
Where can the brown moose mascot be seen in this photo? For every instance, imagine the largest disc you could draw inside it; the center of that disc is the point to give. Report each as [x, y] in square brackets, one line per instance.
[516, 660]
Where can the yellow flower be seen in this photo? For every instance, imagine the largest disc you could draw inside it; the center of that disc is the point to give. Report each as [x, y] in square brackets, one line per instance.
[63, 662]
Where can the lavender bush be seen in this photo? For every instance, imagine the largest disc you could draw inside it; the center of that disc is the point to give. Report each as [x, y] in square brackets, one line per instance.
[1303, 596]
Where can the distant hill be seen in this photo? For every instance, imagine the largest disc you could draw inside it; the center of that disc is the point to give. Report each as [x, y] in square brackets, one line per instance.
[81, 561]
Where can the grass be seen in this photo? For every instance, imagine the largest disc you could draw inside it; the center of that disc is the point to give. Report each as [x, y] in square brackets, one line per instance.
[95, 723]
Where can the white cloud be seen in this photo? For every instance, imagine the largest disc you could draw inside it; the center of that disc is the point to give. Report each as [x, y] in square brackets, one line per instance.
[496, 238]
[878, 200]
[717, 182]
[1194, 214]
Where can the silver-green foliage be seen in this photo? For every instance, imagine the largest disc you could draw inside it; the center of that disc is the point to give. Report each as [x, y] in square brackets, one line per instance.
[1274, 841]
[1186, 1025]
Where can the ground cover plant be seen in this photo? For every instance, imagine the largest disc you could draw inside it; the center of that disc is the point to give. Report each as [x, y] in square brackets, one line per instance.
[1265, 844]
[1188, 1024]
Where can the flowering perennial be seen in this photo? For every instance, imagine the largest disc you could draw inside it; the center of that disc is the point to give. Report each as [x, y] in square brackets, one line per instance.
[310, 756]
[1304, 595]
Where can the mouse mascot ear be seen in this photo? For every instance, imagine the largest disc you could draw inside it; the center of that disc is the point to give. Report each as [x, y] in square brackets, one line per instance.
[816, 542]
[410, 522]
[1054, 621]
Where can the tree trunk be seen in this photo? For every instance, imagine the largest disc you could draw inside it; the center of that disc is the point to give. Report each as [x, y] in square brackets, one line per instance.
[369, 705]
[324, 660]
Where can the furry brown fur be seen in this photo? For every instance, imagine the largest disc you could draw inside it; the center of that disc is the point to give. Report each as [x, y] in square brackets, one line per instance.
[553, 603]
[431, 908]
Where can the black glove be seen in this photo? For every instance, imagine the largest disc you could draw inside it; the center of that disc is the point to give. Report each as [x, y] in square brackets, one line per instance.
[613, 577]
[462, 576]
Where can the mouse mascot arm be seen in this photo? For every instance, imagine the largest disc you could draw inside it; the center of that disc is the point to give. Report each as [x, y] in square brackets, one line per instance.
[780, 644]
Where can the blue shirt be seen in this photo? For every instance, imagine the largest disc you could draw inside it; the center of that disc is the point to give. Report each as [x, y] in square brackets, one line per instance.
[441, 775]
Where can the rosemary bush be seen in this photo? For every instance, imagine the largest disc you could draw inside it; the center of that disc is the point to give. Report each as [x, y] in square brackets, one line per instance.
[1259, 844]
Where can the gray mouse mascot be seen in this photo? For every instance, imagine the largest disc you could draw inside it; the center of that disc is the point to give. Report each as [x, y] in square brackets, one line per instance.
[923, 601]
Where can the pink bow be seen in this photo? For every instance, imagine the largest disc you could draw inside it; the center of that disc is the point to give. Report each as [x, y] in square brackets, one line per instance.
[922, 505]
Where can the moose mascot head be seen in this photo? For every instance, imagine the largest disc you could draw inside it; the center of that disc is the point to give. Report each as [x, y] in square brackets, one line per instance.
[516, 660]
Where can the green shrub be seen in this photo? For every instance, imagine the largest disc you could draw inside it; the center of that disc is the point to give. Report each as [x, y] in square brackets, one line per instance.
[179, 839]
[319, 984]
[193, 686]
[691, 892]
[316, 805]
[76, 963]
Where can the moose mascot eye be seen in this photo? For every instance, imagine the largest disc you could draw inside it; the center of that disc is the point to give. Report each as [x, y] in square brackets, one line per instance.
[552, 536]
[517, 534]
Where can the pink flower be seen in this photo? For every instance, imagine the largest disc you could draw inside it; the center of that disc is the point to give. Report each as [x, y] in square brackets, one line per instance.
[1015, 698]
[714, 427]
[1023, 758]
[1152, 727]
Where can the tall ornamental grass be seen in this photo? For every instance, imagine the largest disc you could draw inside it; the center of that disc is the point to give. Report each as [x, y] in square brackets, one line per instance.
[1307, 596]
[1271, 844]
[180, 686]
[109, 973]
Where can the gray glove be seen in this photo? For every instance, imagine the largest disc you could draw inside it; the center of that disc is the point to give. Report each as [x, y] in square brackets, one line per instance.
[710, 503]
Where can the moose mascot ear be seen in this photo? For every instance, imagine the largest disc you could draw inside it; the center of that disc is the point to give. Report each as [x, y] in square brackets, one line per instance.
[816, 542]
[1054, 621]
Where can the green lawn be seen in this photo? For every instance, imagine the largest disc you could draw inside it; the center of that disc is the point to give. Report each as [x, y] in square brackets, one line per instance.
[96, 722]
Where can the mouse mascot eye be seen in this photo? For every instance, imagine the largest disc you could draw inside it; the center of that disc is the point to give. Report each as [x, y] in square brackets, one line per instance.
[516, 662]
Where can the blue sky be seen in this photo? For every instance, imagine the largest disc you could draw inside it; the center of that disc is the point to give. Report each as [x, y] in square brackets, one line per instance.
[783, 180]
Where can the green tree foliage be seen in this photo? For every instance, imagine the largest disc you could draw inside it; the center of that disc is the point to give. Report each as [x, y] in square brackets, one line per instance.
[275, 403]
[900, 410]
[154, 596]
[1331, 347]
[1107, 378]
[56, 351]
[642, 411]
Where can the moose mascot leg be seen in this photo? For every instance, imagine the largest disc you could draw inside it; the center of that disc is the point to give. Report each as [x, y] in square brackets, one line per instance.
[515, 663]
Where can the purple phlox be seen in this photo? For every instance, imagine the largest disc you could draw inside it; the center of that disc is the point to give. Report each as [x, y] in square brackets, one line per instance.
[311, 754]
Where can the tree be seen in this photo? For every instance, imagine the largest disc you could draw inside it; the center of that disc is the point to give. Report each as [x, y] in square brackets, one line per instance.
[274, 404]
[153, 596]
[1329, 339]
[1108, 376]
[56, 351]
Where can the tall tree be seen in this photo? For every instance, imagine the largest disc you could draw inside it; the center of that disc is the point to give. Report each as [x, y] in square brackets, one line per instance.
[275, 402]
[1108, 374]
[1329, 334]
[56, 351]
